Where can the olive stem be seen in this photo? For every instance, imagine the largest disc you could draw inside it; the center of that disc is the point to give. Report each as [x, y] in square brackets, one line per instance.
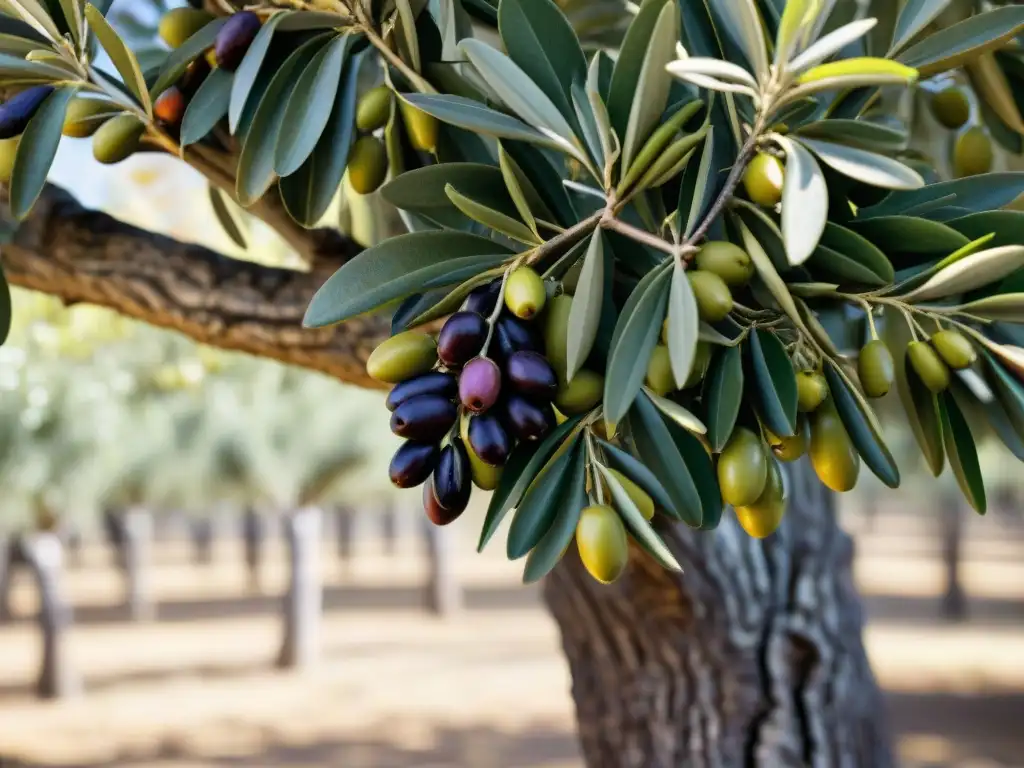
[588, 437]
[496, 312]
[635, 233]
[566, 237]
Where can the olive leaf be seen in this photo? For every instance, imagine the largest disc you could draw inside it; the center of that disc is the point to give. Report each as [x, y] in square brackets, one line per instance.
[122, 56]
[973, 271]
[771, 381]
[539, 507]
[722, 395]
[638, 472]
[37, 150]
[206, 108]
[585, 315]
[229, 218]
[5, 308]
[642, 531]
[490, 217]
[963, 454]
[868, 167]
[548, 551]
[804, 201]
[683, 325]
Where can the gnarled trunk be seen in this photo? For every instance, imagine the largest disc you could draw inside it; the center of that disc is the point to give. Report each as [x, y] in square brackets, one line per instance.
[752, 656]
[303, 600]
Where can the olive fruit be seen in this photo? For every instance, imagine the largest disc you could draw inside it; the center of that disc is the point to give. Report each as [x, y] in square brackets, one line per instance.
[479, 384]
[421, 127]
[659, 378]
[194, 76]
[951, 108]
[412, 463]
[373, 109]
[602, 543]
[876, 368]
[972, 153]
[833, 456]
[763, 179]
[556, 333]
[117, 139]
[955, 349]
[513, 335]
[927, 364]
[367, 164]
[401, 357]
[84, 116]
[234, 38]
[525, 293]
[763, 517]
[714, 300]
[170, 106]
[452, 480]
[636, 494]
[742, 468]
[789, 448]
[484, 299]
[20, 108]
[8, 151]
[437, 514]
[727, 260]
[531, 373]
[701, 362]
[811, 391]
[431, 383]
[484, 475]
[488, 439]
[461, 338]
[179, 24]
[527, 420]
[426, 418]
[580, 395]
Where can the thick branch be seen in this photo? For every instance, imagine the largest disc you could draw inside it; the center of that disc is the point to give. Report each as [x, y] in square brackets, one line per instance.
[85, 256]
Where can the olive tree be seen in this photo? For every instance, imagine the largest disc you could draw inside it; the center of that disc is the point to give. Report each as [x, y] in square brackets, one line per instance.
[678, 251]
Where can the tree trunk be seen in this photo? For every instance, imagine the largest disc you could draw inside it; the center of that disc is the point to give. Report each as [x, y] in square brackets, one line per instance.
[954, 601]
[10, 559]
[751, 657]
[345, 527]
[44, 556]
[73, 546]
[303, 600]
[444, 596]
[389, 529]
[202, 541]
[254, 531]
[137, 550]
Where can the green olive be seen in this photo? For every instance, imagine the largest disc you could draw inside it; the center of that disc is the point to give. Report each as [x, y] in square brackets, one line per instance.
[85, 116]
[728, 261]
[876, 368]
[402, 356]
[955, 349]
[556, 333]
[972, 153]
[763, 179]
[714, 300]
[762, 518]
[636, 494]
[179, 24]
[951, 108]
[927, 364]
[485, 477]
[659, 371]
[833, 456]
[117, 139]
[421, 127]
[367, 164]
[789, 448]
[602, 543]
[374, 109]
[742, 468]
[811, 390]
[580, 395]
[701, 362]
[8, 151]
[525, 293]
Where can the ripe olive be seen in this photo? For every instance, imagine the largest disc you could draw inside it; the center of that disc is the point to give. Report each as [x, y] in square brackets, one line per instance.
[479, 384]
[659, 371]
[234, 38]
[426, 418]
[955, 349]
[179, 24]
[373, 109]
[833, 456]
[85, 116]
[525, 293]
[789, 448]
[484, 475]
[727, 260]
[8, 151]
[602, 543]
[556, 333]
[421, 127]
[876, 368]
[762, 518]
[412, 463]
[714, 300]
[636, 494]
[951, 108]
[437, 514]
[811, 390]
[117, 139]
[402, 357]
[581, 394]
[526, 419]
[170, 106]
[431, 383]
[461, 338]
[763, 179]
[972, 153]
[927, 364]
[482, 300]
[742, 468]
[489, 440]
[20, 108]
[514, 335]
[367, 164]
[452, 481]
[531, 374]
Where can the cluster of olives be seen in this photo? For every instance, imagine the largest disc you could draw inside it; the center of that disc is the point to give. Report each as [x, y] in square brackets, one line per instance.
[972, 150]
[463, 400]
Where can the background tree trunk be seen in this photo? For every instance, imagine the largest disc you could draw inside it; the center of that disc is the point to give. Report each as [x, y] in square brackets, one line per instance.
[444, 596]
[954, 600]
[202, 541]
[345, 528]
[254, 533]
[10, 558]
[44, 556]
[752, 656]
[303, 599]
[137, 551]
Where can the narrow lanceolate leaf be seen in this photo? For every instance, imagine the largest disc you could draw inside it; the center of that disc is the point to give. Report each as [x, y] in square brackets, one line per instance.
[1007, 390]
[634, 520]
[122, 56]
[963, 454]
[72, 10]
[960, 43]
[5, 308]
[971, 272]
[804, 202]
[745, 27]
[868, 167]
[33, 13]
[722, 395]
[635, 335]
[978, 194]
[549, 549]
[585, 315]
[994, 90]
[1004, 307]
[772, 382]
[245, 75]
[703, 190]
[640, 474]
[179, 59]
[831, 44]
[714, 68]
[227, 216]
[36, 151]
[207, 107]
[407, 22]
[538, 509]
[683, 325]
[797, 20]
[677, 413]
[515, 180]
[491, 218]
[867, 70]
[769, 275]
[629, 64]
[915, 16]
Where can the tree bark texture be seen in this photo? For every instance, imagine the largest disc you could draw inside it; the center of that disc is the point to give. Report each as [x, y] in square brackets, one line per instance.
[751, 657]
[137, 553]
[303, 600]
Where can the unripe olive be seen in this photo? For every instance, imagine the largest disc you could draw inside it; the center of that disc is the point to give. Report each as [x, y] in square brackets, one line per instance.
[485, 476]
[714, 300]
[402, 357]
[955, 349]
[636, 494]
[951, 108]
[811, 390]
[763, 517]
[373, 109]
[8, 151]
[524, 293]
[972, 153]
[580, 395]
[659, 371]
[727, 260]
[179, 24]
[602, 543]
[763, 179]
[876, 368]
[742, 468]
[421, 127]
[556, 328]
[927, 364]
[701, 362]
[789, 448]
[367, 164]
[170, 106]
[117, 139]
[20, 108]
[85, 116]
[833, 456]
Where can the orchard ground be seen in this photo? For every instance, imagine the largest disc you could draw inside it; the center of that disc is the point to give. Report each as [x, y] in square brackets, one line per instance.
[486, 689]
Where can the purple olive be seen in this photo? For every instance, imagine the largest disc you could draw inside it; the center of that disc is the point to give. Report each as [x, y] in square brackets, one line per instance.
[437, 514]
[234, 38]
[514, 335]
[461, 338]
[484, 299]
[19, 109]
[531, 374]
[433, 383]
[426, 418]
[528, 420]
[453, 478]
[479, 384]
[413, 463]
[489, 440]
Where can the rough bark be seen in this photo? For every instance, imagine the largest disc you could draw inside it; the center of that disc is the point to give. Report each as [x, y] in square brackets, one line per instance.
[137, 551]
[444, 595]
[303, 599]
[752, 656]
